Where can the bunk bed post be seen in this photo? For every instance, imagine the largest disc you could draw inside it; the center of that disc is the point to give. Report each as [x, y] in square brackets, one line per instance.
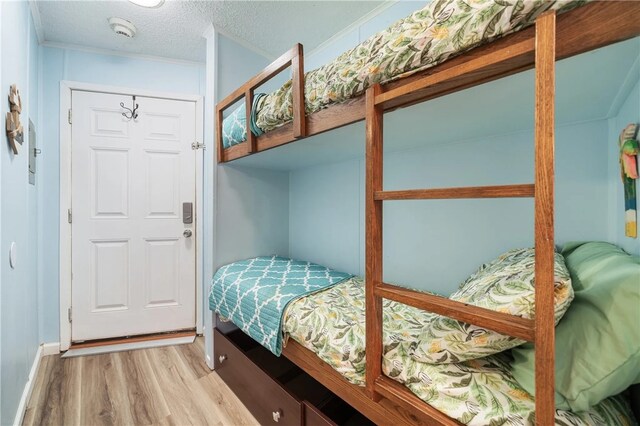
[544, 217]
[373, 252]
[251, 138]
[299, 117]
[219, 145]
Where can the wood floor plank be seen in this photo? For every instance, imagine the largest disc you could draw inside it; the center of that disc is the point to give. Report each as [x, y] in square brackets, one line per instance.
[192, 356]
[158, 386]
[56, 396]
[116, 386]
[32, 414]
[226, 402]
[143, 390]
[97, 406]
[176, 380]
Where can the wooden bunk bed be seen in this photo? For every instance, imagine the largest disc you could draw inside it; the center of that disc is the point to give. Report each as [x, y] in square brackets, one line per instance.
[383, 400]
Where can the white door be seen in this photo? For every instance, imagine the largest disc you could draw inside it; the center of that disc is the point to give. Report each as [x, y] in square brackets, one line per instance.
[133, 262]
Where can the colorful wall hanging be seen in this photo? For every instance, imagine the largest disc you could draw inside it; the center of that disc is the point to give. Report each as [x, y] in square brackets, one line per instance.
[629, 149]
[15, 131]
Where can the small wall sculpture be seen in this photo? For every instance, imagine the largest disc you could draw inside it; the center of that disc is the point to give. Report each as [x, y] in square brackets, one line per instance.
[629, 149]
[15, 131]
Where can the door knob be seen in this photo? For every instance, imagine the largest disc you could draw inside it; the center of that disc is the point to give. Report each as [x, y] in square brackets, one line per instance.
[187, 233]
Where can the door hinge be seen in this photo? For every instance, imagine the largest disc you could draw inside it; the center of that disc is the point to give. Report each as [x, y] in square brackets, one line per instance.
[198, 145]
[69, 216]
[69, 314]
[69, 116]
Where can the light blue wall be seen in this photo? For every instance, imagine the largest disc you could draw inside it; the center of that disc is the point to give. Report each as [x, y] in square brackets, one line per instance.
[387, 15]
[252, 204]
[87, 67]
[422, 237]
[236, 65]
[325, 208]
[629, 113]
[18, 287]
[252, 215]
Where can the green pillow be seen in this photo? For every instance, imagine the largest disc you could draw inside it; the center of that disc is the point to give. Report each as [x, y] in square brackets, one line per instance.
[505, 285]
[598, 340]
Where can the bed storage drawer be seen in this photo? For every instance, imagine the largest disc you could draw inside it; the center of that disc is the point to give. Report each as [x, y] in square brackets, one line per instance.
[315, 417]
[267, 400]
[274, 389]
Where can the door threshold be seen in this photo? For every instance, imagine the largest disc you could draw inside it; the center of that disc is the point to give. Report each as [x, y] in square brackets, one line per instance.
[130, 343]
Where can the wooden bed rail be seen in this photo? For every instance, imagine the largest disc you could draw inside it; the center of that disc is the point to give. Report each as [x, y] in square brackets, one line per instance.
[294, 57]
[541, 330]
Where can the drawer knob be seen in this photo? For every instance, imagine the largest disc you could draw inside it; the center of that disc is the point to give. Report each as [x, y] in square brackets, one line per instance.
[276, 416]
[222, 358]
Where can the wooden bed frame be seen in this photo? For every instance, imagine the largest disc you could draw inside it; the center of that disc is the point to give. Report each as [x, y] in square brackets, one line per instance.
[589, 27]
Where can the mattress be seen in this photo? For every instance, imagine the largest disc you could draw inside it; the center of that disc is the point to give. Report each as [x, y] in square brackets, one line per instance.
[331, 323]
[426, 38]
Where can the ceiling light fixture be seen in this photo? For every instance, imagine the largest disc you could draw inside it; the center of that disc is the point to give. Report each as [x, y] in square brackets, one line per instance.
[148, 3]
[122, 27]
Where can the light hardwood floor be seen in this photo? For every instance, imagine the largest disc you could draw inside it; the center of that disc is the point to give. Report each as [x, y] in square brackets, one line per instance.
[171, 385]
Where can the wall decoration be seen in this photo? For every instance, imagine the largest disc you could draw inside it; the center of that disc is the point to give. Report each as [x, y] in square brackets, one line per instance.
[629, 149]
[15, 131]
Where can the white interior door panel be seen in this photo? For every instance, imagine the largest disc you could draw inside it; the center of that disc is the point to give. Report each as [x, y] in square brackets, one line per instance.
[133, 268]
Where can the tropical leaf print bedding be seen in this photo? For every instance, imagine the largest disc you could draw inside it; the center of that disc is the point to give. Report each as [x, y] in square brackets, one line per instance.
[427, 37]
[476, 392]
[506, 285]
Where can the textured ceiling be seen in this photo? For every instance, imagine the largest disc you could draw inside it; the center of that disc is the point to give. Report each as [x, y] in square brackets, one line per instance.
[175, 29]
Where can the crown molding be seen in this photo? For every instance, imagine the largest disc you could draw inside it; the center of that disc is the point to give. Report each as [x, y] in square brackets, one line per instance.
[109, 52]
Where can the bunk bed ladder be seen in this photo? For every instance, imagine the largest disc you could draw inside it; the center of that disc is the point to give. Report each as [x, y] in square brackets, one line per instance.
[541, 330]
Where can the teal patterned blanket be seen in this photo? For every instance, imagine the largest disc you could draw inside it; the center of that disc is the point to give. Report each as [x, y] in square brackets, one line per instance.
[234, 127]
[254, 293]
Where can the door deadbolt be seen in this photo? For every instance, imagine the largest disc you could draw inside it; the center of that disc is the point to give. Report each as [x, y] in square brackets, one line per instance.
[187, 233]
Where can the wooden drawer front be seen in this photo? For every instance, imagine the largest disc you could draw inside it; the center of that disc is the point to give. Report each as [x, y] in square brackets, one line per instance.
[269, 403]
[313, 416]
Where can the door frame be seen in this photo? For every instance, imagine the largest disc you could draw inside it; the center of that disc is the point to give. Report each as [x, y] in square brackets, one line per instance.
[66, 89]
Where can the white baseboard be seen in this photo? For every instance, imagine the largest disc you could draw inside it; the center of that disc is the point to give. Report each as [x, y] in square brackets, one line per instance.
[50, 348]
[28, 387]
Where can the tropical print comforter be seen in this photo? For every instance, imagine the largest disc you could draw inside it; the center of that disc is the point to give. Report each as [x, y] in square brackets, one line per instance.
[427, 37]
[331, 323]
